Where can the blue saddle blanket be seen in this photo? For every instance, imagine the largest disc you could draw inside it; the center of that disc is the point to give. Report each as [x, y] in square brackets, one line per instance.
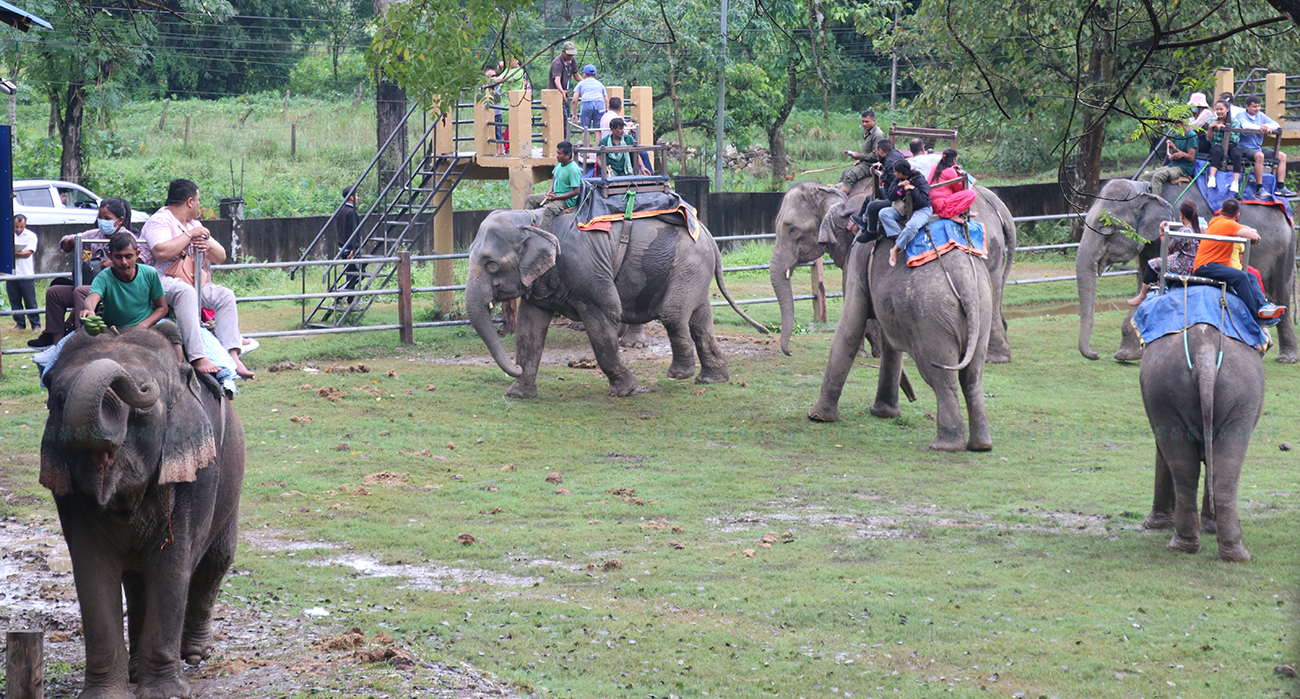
[1249, 192]
[945, 235]
[1173, 311]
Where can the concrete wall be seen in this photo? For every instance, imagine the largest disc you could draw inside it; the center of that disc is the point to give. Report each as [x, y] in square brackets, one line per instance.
[725, 213]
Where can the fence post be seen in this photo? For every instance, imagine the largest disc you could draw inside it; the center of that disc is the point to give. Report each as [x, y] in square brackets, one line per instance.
[819, 291]
[25, 665]
[187, 131]
[404, 315]
[162, 121]
[293, 140]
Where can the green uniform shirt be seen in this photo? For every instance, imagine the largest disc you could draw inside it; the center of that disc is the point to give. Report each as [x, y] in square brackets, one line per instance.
[1187, 141]
[620, 163]
[128, 303]
[869, 141]
[564, 179]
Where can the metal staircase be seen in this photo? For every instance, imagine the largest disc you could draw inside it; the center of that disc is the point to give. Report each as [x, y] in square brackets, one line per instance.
[415, 192]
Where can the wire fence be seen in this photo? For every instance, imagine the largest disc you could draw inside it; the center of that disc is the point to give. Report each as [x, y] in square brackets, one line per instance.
[406, 292]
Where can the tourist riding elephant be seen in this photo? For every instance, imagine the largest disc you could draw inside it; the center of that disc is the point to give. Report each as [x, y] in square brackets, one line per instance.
[662, 274]
[1104, 244]
[802, 209]
[146, 462]
[999, 241]
[939, 314]
[1206, 412]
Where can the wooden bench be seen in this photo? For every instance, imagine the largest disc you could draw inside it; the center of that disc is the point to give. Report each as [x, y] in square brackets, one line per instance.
[897, 132]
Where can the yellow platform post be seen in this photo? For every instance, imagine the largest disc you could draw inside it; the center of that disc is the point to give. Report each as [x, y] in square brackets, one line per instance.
[483, 128]
[1274, 93]
[521, 123]
[1223, 82]
[643, 113]
[444, 271]
[552, 121]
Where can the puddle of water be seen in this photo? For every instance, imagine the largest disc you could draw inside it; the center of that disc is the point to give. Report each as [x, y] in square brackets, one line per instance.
[427, 577]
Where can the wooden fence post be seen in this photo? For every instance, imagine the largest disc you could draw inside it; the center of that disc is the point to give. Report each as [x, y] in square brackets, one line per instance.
[187, 131]
[284, 111]
[163, 120]
[404, 314]
[25, 665]
[819, 290]
[244, 118]
[293, 140]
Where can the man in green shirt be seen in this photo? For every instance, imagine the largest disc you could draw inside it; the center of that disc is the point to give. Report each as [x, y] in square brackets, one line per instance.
[133, 295]
[871, 135]
[566, 185]
[619, 164]
[1180, 149]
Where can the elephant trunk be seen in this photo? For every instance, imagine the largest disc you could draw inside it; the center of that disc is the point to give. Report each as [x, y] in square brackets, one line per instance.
[779, 271]
[98, 405]
[1086, 264]
[478, 300]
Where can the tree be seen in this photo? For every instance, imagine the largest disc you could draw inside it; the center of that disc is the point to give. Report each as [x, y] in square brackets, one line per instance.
[1067, 67]
[78, 64]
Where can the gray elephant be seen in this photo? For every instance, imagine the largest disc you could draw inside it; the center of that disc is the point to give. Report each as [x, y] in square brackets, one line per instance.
[1103, 244]
[145, 462]
[802, 209]
[661, 274]
[999, 240]
[939, 314]
[1207, 412]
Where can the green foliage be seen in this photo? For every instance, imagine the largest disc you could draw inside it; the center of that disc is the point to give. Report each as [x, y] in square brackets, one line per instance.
[1021, 149]
[315, 74]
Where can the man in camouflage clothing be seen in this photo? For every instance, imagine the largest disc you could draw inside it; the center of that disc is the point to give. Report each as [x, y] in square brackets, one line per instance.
[865, 157]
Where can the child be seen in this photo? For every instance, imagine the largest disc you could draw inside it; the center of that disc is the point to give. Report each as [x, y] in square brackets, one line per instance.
[911, 183]
[1221, 261]
[133, 295]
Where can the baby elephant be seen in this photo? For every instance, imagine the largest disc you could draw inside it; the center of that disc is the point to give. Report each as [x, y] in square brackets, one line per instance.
[1206, 412]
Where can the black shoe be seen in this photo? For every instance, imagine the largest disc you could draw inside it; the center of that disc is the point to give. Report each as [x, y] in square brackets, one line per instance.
[42, 340]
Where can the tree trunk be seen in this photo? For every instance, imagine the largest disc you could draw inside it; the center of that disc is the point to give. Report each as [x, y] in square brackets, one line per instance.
[775, 134]
[390, 107]
[55, 125]
[70, 165]
[677, 109]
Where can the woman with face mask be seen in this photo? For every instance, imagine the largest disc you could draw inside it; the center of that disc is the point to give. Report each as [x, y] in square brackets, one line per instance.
[61, 297]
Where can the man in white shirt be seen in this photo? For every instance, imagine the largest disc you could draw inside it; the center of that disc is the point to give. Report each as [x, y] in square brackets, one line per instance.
[1252, 146]
[173, 231]
[22, 292]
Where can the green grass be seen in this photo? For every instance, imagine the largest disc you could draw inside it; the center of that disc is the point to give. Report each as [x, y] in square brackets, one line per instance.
[908, 574]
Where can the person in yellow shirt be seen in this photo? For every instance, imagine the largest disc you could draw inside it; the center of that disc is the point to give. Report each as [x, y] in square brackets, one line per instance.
[1221, 261]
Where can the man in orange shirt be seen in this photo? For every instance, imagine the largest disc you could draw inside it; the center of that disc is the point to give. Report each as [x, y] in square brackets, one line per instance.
[1221, 261]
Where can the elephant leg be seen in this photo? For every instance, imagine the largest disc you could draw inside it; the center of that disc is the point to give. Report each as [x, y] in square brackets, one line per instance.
[849, 334]
[1229, 453]
[160, 668]
[713, 363]
[972, 386]
[97, 574]
[133, 585]
[679, 336]
[891, 374]
[602, 332]
[632, 336]
[1286, 339]
[1184, 460]
[951, 430]
[999, 350]
[1130, 348]
[196, 642]
[1162, 504]
[530, 337]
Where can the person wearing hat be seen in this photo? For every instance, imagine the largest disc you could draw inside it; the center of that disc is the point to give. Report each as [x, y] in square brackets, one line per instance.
[563, 67]
[1201, 116]
[591, 96]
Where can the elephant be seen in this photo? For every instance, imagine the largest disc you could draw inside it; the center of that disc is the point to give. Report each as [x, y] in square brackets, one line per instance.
[663, 274]
[1103, 244]
[802, 209]
[1208, 413]
[939, 314]
[999, 240]
[145, 460]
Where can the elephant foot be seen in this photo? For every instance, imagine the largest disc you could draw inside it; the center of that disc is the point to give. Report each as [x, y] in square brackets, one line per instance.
[707, 375]
[622, 387]
[636, 341]
[1209, 526]
[998, 358]
[164, 689]
[681, 371]
[824, 412]
[886, 411]
[522, 390]
[1234, 553]
[1288, 358]
[1184, 543]
[948, 445]
[195, 649]
[983, 443]
[1159, 520]
[1125, 354]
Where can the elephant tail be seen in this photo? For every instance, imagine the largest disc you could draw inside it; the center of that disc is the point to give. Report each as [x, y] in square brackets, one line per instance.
[1205, 372]
[722, 286]
[970, 308]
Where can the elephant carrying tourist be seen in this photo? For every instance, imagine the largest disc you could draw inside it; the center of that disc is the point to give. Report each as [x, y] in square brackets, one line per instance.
[939, 314]
[1128, 203]
[145, 460]
[662, 273]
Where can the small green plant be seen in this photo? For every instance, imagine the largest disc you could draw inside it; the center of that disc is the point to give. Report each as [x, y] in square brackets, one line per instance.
[1106, 218]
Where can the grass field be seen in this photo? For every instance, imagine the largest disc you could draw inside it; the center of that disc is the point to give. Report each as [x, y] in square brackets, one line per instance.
[643, 567]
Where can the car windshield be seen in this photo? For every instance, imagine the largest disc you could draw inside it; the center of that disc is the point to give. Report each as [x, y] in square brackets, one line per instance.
[77, 199]
[35, 197]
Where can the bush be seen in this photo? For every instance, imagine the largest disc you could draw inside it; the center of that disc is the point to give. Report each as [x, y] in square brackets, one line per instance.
[1021, 151]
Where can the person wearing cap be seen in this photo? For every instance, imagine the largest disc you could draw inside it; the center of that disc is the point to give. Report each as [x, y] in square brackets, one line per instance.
[1252, 147]
[591, 96]
[563, 67]
[1180, 160]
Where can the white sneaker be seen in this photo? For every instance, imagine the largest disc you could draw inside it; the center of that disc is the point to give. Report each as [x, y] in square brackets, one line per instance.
[1212, 183]
[1234, 187]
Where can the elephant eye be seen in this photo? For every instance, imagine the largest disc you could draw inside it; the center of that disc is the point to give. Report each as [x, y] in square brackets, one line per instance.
[492, 267]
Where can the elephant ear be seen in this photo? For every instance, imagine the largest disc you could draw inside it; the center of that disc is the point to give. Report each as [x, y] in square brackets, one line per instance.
[1152, 211]
[537, 250]
[190, 442]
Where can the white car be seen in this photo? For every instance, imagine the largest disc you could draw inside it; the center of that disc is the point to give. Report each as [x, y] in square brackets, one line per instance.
[49, 202]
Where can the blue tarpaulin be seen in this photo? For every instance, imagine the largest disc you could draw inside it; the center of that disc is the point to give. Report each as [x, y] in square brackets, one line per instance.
[1184, 306]
[945, 235]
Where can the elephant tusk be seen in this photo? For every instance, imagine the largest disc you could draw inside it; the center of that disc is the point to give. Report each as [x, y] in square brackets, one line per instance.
[787, 273]
[491, 306]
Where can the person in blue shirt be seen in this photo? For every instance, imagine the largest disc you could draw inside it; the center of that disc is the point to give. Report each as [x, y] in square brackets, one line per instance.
[591, 96]
[1252, 147]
